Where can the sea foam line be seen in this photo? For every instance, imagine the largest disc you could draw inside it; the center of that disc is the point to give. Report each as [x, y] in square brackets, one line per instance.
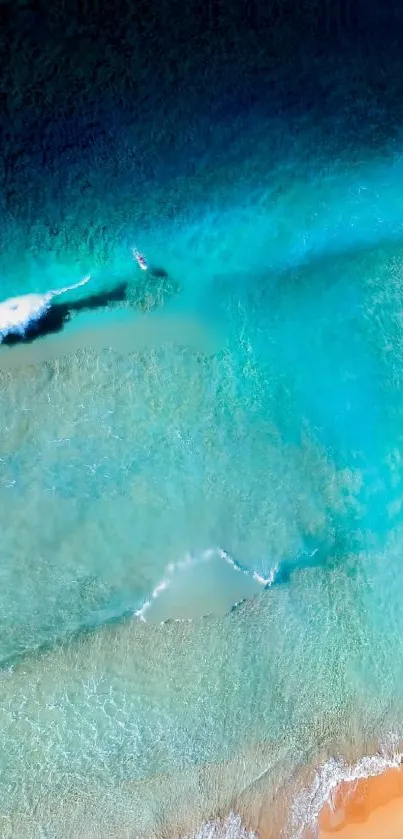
[309, 803]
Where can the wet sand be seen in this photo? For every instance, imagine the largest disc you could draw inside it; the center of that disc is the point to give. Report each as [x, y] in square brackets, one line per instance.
[370, 808]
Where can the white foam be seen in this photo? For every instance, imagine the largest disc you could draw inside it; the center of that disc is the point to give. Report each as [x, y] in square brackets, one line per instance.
[18, 313]
[229, 828]
[162, 586]
[308, 804]
[263, 581]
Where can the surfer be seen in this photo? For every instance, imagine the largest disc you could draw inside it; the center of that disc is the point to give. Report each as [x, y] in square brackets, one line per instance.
[140, 259]
[155, 271]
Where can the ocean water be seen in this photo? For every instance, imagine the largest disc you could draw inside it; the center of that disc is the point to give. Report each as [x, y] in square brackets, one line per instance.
[201, 482]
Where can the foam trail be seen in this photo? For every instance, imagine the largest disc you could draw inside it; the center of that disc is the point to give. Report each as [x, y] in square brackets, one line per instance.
[266, 582]
[56, 291]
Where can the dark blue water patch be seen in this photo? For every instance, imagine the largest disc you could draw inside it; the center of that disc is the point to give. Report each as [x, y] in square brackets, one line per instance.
[150, 141]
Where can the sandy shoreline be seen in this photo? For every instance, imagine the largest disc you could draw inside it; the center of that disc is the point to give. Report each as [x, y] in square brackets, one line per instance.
[370, 808]
[235, 801]
[364, 808]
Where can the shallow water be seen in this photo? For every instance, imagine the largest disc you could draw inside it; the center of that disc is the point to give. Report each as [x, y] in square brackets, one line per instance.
[255, 412]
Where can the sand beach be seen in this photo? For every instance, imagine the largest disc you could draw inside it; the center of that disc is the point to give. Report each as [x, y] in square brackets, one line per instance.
[370, 808]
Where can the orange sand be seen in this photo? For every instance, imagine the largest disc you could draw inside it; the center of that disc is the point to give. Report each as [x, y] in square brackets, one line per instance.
[371, 808]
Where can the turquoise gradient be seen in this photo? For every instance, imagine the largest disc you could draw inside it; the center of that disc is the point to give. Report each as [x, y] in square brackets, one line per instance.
[257, 409]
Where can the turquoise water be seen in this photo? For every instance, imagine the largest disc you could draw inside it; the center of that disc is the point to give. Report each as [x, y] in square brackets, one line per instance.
[255, 410]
